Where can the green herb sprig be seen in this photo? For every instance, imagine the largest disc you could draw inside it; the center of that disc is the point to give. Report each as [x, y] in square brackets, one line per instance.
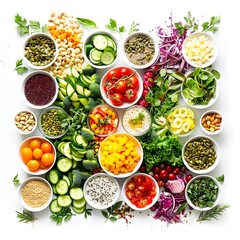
[113, 26]
[87, 22]
[212, 25]
[64, 215]
[213, 213]
[19, 68]
[112, 213]
[25, 216]
[220, 178]
[87, 212]
[15, 180]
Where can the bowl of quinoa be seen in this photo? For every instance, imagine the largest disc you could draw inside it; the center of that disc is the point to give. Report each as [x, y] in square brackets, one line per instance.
[35, 194]
[101, 191]
[136, 120]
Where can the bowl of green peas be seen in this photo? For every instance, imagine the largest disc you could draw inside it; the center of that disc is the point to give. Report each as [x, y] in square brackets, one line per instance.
[50, 122]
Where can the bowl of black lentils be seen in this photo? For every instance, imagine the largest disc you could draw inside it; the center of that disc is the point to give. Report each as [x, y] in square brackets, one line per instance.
[203, 192]
[40, 89]
[50, 122]
[40, 51]
[201, 154]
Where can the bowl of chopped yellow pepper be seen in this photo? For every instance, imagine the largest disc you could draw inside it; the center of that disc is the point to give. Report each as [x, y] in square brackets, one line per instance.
[120, 155]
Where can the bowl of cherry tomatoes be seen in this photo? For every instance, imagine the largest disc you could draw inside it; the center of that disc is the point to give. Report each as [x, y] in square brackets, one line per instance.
[37, 155]
[121, 87]
[140, 191]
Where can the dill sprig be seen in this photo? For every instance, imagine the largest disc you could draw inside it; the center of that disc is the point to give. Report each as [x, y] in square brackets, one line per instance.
[25, 216]
[213, 213]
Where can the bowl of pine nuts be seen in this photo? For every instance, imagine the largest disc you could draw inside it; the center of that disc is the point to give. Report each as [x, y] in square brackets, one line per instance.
[211, 122]
[25, 122]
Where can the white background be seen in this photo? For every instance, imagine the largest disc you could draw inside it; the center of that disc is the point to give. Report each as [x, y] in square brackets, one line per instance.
[149, 14]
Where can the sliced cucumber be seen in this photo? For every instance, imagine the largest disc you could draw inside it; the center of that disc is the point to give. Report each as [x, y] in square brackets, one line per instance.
[95, 55]
[99, 41]
[67, 150]
[78, 210]
[62, 187]
[111, 43]
[88, 48]
[107, 57]
[64, 164]
[79, 203]
[74, 72]
[76, 193]
[54, 206]
[66, 178]
[64, 200]
[54, 176]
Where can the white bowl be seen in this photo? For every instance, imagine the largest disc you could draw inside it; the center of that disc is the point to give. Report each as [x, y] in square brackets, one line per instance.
[112, 43]
[40, 170]
[146, 35]
[180, 118]
[125, 188]
[201, 191]
[125, 104]
[211, 101]
[195, 169]
[207, 122]
[25, 122]
[40, 116]
[54, 56]
[191, 50]
[35, 194]
[137, 146]
[100, 185]
[35, 87]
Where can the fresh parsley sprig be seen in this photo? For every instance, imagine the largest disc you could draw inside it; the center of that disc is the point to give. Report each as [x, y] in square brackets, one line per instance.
[112, 213]
[87, 212]
[25, 216]
[64, 215]
[113, 26]
[213, 213]
[19, 68]
[212, 25]
[15, 180]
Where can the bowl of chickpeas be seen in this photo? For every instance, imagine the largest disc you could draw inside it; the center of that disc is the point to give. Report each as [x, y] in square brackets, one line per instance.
[120, 155]
[199, 49]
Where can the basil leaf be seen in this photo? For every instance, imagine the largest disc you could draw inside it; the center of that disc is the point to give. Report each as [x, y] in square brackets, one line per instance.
[87, 22]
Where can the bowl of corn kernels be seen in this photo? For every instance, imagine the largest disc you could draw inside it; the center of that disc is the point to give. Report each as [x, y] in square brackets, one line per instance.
[199, 49]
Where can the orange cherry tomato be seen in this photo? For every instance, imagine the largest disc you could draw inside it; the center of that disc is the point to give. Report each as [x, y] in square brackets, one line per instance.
[33, 165]
[35, 143]
[26, 154]
[47, 159]
[46, 147]
[37, 153]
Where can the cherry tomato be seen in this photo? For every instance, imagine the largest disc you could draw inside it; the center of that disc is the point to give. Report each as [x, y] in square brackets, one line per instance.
[130, 95]
[137, 193]
[132, 82]
[131, 185]
[114, 75]
[176, 170]
[171, 176]
[156, 176]
[163, 174]
[120, 86]
[156, 169]
[189, 177]
[160, 183]
[125, 72]
[108, 87]
[116, 99]
[142, 169]
[130, 194]
[141, 203]
[169, 168]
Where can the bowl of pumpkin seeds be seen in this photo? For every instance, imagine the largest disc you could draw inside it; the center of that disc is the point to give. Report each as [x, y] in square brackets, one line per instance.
[40, 51]
[201, 154]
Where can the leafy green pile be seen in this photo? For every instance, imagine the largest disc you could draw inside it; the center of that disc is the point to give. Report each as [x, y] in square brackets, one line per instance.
[161, 147]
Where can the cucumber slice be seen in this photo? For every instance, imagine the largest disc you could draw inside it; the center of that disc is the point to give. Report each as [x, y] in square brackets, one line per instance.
[95, 55]
[54, 176]
[54, 207]
[107, 57]
[78, 210]
[88, 48]
[64, 200]
[111, 43]
[66, 178]
[100, 42]
[79, 203]
[64, 164]
[74, 72]
[76, 193]
[62, 187]
[67, 150]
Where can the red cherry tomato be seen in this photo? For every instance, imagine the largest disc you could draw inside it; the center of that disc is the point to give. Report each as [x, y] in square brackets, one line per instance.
[131, 185]
[176, 170]
[116, 99]
[130, 95]
[120, 86]
[189, 177]
[114, 75]
[169, 168]
[125, 72]
[132, 82]
[108, 87]
[163, 174]
[171, 176]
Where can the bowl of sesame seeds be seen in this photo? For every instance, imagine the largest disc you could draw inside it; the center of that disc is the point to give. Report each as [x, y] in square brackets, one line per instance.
[101, 191]
[35, 194]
